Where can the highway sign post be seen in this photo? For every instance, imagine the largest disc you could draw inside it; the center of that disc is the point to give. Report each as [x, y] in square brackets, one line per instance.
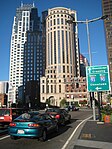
[98, 78]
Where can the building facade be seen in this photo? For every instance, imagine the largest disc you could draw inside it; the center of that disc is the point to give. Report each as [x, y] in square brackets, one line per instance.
[3, 93]
[107, 10]
[44, 15]
[33, 57]
[76, 91]
[26, 23]
[4, 87]
[62, 54]
[83, 63]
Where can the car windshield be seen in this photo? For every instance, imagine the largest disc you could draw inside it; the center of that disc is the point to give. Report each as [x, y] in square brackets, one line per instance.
[4, 112]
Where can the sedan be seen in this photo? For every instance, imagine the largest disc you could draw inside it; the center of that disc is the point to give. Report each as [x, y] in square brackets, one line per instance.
[33, 126]
[61, 115]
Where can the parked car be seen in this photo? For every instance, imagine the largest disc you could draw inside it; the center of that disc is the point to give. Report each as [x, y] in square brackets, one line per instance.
[72, 108]
[61, 115]
[7, 115]
[32, 125]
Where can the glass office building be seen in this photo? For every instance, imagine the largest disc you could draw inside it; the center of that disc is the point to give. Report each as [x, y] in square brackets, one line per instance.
[33, 57]
[26, 23]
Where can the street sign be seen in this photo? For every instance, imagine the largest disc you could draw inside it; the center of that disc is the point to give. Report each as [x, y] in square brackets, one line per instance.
[98, 78]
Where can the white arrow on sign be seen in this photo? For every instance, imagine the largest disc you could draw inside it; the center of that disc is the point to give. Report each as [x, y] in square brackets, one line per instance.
[98, 88]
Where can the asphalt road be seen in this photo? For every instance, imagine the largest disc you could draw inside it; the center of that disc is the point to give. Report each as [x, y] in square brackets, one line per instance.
[55, 141]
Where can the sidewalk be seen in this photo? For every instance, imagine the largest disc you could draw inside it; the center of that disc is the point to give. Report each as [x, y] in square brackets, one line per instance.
[95, 136]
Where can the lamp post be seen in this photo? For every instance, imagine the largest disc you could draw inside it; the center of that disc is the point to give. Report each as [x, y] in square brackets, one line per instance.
[89, 49]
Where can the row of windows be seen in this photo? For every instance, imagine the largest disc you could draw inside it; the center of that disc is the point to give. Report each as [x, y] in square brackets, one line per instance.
[73, 90]
[62, 48]
[51, 81]
[59, 15]
[58, 27]
[58, 21]
[51, 89]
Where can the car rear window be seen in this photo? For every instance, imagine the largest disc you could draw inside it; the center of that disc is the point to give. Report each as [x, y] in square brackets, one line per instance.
[28, 117]
[52, 110]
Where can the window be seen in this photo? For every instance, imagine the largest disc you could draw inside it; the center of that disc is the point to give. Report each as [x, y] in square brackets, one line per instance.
[42, 88]
[61, 21]
[58, 21]
[51, 88]
[59, 80]
[63, 69]
[59, 88]
[67, 69]
[54, 22]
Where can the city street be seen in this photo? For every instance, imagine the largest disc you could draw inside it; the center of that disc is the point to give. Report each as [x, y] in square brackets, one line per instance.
[55, 141]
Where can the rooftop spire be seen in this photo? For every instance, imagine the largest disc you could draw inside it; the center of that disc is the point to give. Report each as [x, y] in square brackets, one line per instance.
[21, 4]
[33, 4]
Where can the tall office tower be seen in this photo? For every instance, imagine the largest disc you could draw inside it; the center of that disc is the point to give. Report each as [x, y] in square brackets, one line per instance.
[61, 42]
[33, 57]
[62, 53]
[107, 10]
[44, 15]
[26, 19]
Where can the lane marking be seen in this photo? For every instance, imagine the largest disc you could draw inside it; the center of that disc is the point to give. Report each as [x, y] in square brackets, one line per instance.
[68, 138]
[65, 145]
[4, 137]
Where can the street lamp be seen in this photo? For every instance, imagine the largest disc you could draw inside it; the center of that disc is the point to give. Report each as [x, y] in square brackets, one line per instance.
[87, 28]
[89, 50]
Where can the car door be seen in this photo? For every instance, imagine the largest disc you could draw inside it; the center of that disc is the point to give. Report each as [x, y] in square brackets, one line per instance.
[50, 123]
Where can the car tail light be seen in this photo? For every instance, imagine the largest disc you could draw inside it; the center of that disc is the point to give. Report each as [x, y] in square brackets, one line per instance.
[12, 124]
[57, 116]
[33, 125]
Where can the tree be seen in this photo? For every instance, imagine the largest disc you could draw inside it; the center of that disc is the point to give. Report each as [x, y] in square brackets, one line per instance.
[109, 97]
[48, 101]
[63, 102]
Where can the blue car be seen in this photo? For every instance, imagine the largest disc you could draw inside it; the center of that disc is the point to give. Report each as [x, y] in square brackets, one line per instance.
[33, 126]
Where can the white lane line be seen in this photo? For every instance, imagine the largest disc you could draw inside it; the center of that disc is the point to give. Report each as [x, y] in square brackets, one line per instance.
[4, 137]
[65, 145]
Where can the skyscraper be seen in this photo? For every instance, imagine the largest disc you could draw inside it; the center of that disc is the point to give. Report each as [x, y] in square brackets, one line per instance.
[44, 15]
[62, 53]
[107, 10]
[26, 23]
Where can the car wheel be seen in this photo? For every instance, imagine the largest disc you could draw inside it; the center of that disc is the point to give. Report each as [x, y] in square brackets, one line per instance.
[44, 136]
[69, 120]
[63, 121]
[57, 128]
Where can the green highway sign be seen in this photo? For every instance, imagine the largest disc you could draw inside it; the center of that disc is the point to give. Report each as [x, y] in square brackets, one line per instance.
[98, 78]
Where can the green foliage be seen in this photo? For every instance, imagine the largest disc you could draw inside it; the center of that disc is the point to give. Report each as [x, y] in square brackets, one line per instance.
[48, 101]
[107, 110]
[83, 102]
[63, 103]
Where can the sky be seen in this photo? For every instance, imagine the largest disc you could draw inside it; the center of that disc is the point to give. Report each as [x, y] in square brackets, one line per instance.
[86, 9]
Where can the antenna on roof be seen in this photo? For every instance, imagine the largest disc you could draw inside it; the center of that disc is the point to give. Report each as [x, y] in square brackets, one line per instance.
[21, 4]
[33, 4]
